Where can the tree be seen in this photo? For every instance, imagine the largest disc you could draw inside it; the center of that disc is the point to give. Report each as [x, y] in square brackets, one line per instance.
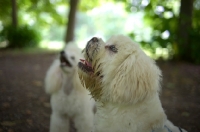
[184, 27]
[84, 6]
[14, 13]
[71, 21]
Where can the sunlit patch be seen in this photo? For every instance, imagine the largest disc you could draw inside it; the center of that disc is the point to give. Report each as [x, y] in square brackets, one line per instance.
[162, 52]
[145, 2]
[168, 14]
[3, 44]
[57, 45]
[159, 9]
[165, 34]
[1, 26]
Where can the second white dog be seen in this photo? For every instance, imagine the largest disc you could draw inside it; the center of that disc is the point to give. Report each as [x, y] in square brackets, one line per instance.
[70, 102]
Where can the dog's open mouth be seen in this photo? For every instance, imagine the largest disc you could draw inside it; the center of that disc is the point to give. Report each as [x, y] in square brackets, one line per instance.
[85, 66]
[64, 61]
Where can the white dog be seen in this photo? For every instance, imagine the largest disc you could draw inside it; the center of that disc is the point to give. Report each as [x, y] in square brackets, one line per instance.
[70, 101]
[125, 83]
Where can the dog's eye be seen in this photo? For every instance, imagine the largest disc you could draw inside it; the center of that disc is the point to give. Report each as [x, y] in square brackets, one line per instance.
[113, 48]
[72, 57]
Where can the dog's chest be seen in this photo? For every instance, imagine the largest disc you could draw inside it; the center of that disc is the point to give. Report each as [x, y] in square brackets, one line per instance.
[118, 120]
[67, 103]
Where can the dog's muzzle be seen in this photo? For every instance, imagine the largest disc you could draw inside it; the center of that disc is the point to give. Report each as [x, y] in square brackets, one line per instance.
[64, 60]
[90, 51]
[91, 48]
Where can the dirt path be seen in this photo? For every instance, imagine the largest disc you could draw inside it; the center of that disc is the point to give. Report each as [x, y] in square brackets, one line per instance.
[24, 106]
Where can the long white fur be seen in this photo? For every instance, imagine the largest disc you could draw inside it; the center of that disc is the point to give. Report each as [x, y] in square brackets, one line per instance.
[129, 90]
[76, 105]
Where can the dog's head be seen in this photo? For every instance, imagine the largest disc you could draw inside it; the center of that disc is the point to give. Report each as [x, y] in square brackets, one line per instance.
[118, 71]
[69, 57]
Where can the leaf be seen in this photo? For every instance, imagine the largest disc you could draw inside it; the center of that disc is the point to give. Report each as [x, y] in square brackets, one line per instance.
[47, 105]
[186, 114]
[29, 121]
[37, 83]
[6, 105]
[28, 112]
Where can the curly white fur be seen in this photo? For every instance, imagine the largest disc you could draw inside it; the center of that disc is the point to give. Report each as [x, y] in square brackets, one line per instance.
[70, 102]
[125, 82]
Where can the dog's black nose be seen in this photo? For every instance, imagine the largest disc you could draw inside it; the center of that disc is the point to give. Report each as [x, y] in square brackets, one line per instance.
[62, 52]
[95, 39]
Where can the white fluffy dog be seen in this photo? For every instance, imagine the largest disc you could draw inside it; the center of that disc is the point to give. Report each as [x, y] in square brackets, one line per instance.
[125, 83]
[70, 102]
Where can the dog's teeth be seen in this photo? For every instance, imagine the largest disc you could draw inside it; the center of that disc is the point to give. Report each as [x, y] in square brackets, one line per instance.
[85, 62]
[82, 60]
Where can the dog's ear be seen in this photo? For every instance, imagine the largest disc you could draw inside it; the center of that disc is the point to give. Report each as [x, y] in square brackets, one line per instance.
[136, 79]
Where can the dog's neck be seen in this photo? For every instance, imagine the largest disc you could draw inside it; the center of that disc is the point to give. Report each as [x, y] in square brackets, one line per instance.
[67, 84]
[143, 116]
[71, 82]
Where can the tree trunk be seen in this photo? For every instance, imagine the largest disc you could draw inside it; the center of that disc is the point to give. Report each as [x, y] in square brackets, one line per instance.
[14, 13]
[71, 21]
[184, 26]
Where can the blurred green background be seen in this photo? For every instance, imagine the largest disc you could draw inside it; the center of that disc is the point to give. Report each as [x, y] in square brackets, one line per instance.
[166, 29]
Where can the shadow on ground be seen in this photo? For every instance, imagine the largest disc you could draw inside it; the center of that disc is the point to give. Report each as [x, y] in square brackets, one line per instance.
[24, 106]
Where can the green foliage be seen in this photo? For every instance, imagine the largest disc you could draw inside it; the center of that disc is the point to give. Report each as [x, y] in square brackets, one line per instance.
[56, 33]
[20, 37]
[86, 5]
[163, 16]
[5, 11]
[36, 12]
[160, 23]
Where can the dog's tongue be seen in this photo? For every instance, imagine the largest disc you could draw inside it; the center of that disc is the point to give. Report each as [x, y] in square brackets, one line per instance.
[86, 62]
